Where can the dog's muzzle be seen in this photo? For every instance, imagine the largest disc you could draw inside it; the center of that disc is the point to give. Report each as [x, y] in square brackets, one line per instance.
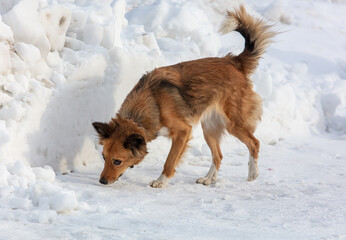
[103, 181]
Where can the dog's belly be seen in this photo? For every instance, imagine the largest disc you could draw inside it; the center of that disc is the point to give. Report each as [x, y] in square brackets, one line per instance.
[213, 119]
[164, 131]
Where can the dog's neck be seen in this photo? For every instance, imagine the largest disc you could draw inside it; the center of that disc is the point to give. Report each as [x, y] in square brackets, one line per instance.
[144, 113]
[142, 123]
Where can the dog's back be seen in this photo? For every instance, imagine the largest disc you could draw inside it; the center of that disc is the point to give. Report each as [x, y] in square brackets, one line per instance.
[198, 84]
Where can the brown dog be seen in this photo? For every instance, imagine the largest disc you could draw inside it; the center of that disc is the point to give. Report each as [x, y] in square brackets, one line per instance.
[216, 91]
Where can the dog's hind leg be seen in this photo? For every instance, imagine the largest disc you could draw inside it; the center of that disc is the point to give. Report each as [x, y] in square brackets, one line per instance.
[252, 144]
[243, 113]
[180, 133]
[214, 146]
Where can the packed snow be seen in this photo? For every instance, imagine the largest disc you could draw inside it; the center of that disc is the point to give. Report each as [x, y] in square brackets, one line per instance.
[67, 63]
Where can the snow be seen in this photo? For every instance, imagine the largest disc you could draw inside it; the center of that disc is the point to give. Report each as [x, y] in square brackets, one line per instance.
[56, 21]
[67, 63]
[24, 21]
[31, 194]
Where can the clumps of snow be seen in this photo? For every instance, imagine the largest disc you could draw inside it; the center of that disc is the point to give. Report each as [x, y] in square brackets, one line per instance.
[6, 41]
[25, 23]
[177, 22]
[48, 196]
[31, 194]
[332, 107]
[98, 23]
[329, 103]
[55, 20]
[45, 29]
[275, 12]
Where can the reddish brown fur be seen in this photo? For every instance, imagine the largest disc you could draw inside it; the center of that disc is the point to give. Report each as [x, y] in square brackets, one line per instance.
[216, 91]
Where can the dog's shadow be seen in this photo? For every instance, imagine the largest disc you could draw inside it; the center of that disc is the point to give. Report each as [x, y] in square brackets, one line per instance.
[66, 137]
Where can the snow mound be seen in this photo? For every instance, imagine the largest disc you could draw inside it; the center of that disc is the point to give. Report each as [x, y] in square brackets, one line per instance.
[31, 194]
[45, 49]
[66, 64]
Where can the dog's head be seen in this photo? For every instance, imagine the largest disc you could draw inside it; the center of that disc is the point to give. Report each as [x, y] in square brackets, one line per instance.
[124, 145]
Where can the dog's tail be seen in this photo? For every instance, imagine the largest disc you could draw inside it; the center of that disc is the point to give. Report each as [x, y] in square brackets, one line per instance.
[257, 33]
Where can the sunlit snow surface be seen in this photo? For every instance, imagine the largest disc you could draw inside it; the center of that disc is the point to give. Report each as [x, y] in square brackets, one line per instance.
[67, 63]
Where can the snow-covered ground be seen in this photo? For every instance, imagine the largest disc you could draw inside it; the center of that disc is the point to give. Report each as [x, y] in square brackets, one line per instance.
[67, 63]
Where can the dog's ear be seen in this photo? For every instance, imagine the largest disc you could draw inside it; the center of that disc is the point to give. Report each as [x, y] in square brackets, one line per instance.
[134, 141]
[104, 130]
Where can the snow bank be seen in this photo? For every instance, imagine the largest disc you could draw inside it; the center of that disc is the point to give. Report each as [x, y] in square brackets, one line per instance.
[41, 82]
[31, 194]
[78, 62]
[37, 69]
[79, 53]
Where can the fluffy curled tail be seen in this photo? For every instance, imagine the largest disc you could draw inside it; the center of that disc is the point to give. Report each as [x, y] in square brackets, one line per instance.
[257, 33]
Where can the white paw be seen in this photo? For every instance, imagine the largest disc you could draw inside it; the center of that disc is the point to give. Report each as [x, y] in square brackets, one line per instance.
[157, 184]
[210, 177]
[161, 182]
[253, 169]
[252, 176]
[206, 180]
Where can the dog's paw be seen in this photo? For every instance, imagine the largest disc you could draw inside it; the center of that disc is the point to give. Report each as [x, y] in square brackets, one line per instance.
[158, 184]
[253, 169]
[252, 176]
[210, 177]
[206, 180]
[161, 182]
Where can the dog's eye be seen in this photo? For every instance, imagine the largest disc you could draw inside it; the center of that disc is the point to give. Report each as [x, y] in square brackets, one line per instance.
[116, 162]
[103, 157]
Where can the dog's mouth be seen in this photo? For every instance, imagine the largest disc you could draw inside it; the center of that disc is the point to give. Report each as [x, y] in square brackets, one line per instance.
[107, 182]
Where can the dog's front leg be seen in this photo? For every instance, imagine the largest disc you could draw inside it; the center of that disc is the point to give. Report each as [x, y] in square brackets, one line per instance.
[180, 139]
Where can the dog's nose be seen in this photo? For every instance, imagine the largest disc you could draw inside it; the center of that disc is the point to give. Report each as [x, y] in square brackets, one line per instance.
[103, 181]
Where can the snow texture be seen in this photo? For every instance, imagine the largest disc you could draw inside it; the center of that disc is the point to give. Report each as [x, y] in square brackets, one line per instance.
[67, 63]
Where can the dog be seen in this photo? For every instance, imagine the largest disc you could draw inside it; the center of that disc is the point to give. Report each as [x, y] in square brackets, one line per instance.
[216, 91]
